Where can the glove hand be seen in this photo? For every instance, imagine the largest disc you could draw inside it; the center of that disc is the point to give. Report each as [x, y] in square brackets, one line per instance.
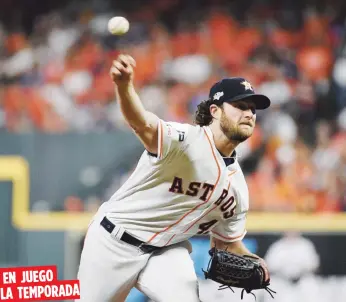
[248, 272]
[263, 264]
[266, 271]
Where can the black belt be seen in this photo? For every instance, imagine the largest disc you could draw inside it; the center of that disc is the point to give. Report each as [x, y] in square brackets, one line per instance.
[126, 237]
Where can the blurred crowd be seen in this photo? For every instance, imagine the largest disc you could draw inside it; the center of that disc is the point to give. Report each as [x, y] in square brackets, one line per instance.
[54, 79]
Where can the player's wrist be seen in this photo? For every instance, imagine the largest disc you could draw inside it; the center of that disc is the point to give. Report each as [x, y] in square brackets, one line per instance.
[124, 85]
[250, 255]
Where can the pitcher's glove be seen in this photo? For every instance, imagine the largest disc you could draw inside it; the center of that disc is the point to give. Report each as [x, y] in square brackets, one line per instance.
[232, 270]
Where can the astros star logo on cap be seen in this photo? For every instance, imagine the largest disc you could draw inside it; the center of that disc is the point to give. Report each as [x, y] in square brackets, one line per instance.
[247, 85]
[217, 95]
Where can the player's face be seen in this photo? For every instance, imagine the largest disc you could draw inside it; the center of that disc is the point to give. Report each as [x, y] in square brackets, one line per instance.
[238, 120]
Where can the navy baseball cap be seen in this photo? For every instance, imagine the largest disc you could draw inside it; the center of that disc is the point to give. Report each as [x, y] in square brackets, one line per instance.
[235, 89]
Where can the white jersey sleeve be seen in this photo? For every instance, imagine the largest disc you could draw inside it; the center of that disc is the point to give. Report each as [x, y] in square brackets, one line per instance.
[172, 137]
[231, 230]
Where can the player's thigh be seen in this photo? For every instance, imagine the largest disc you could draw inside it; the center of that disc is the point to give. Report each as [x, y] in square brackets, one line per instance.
[108, 268]
[169, 276]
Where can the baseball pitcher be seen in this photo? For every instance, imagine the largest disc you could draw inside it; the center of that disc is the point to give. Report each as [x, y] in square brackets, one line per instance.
[187, 182]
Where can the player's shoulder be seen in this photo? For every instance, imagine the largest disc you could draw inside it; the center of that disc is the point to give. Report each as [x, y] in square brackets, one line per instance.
[187, 131]
[236, 167]
[179, 126]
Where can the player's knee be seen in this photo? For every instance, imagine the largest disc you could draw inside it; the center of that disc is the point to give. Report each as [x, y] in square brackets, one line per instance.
[185, 291]
[184, 288]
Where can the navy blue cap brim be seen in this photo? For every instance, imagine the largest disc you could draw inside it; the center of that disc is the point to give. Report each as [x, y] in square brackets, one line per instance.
[261, 101]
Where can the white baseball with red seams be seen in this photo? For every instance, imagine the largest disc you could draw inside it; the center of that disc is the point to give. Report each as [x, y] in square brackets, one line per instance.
[186, 189]
[118, 25]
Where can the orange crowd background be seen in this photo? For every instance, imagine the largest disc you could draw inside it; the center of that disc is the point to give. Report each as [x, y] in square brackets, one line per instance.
[55, 80]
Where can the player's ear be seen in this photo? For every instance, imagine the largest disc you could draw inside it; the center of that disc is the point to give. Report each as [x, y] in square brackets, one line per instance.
[215, 111]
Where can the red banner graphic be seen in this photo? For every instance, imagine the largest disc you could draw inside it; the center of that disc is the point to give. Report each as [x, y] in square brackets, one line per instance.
[36, 283]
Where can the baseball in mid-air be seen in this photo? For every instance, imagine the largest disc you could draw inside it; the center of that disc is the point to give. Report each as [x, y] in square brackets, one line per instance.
[118, 25]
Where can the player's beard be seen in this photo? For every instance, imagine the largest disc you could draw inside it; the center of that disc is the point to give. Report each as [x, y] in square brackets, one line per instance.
[232, 130]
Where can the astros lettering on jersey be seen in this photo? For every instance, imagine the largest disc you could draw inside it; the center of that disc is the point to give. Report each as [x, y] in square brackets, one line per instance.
[184, 190]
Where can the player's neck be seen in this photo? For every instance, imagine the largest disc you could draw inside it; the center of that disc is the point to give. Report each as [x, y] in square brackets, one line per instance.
[222, 143]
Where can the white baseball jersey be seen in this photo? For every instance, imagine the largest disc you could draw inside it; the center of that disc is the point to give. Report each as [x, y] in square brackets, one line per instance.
[185, 190]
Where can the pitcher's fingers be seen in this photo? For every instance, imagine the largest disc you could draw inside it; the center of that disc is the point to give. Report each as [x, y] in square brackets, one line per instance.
[265, 268]
[123, 60]
[131, 60]
[120, 66]
[114, 73]
[126, 60]
[266, 274]
[128, 70]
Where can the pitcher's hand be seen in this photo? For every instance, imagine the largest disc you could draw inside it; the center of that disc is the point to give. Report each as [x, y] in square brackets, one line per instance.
[122, 70]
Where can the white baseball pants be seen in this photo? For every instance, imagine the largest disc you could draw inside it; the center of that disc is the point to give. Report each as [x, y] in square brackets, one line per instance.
[110, 268]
